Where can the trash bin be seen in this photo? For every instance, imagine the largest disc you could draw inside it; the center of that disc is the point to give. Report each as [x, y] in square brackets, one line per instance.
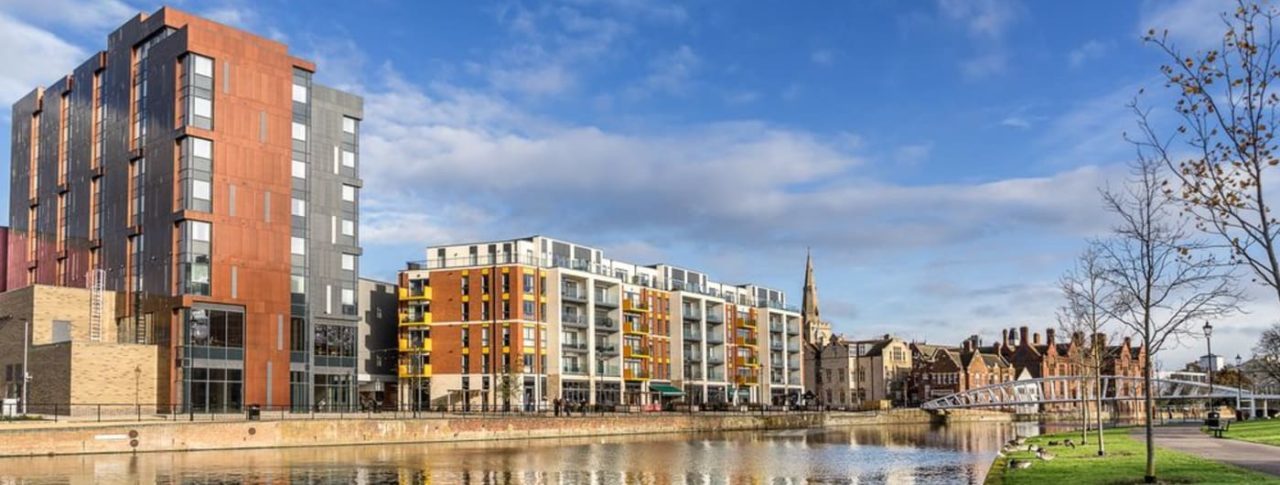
[254, 413]
[1213, 419]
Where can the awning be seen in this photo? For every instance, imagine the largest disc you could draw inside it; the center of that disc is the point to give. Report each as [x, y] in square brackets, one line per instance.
[666, 390]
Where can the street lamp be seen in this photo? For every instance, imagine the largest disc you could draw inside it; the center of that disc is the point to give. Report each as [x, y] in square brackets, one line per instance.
[1208, 343]
[1239, 386]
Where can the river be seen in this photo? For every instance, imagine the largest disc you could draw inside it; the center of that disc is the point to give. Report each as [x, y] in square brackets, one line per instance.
[958, 453]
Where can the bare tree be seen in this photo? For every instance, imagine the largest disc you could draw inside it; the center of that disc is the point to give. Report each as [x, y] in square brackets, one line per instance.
[1088, 296]
[1229, 114]
[1163, 279]
[1266, 358]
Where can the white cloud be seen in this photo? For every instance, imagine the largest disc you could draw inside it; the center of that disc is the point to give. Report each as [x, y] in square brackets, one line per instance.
[1092, 49]
[984, 65]
[93, 14]
[912, 155]
[823, 57]
[35, 57]
[1016, 121]
[1194, 23]
[669, 73]
[981, 18]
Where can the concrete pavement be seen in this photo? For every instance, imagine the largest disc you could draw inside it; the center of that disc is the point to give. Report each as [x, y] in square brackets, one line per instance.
[1189, 439]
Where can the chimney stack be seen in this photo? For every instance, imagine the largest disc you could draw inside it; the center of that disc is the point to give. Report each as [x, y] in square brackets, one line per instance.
[1022, 336]
[1004, 337]
[1035, 338]
[1100, 339]
[1049, 335]
[968, 344]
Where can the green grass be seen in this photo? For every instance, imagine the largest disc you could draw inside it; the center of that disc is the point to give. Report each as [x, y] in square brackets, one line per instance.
[1125, 463]
[1265, 431]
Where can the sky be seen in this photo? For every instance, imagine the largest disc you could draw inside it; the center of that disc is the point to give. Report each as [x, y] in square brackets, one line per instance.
[941, 159]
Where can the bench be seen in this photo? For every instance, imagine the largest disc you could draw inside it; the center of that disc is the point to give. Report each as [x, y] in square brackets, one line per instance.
[1218, 430]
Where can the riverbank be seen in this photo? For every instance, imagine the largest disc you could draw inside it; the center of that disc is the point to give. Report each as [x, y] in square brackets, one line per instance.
[1125, 462]
[45, 438]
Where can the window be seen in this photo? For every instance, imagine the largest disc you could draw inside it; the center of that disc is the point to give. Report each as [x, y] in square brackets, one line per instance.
[202, 107]
[297, 284]
[298, 246]
[299, 131]
[201, 148]
[348, 125]
[299, 93]
[348, 158]
[299, 169]
[203, 66]
[528, 285]
[348, 228]
[299, 207]
[528, 310]
[200, 190]
[194, 258]
[348, 301]
[349, 262]
[348, 193]
[196, 174]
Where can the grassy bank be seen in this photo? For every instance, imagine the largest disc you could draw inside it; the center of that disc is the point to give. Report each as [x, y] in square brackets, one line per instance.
[1266, 432]
[1125, 463]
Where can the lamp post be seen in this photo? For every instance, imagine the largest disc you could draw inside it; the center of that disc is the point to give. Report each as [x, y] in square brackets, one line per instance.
[1239, 386]
[1208, 343]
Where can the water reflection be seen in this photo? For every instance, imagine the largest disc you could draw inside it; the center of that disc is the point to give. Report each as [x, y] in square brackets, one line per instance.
[887, 454]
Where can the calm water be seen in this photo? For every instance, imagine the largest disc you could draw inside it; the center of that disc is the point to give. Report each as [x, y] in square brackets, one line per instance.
[887, 454]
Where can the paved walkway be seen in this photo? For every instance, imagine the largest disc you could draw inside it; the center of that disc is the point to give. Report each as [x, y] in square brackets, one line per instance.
[1189, 439]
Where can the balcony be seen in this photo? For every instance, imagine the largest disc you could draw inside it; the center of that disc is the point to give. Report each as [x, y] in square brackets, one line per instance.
[776, 327]
[571, 293]
[748, 361]
[715, 318]
[692, 334]
[635, 327]
[692, 355]
[793, 347]
[745, 340]
[606, 348]
[574, 346]
[635, 374]
[793, 330]
[423, 293]
[747, 378]
[635, 352]
[606, 370]
[605, 300]
[577, 320]
[635, 306]
[750, 322]
[715, 358]
[405, 371]
[692, 314]
[407, 346]
[693, 373]
[715, 375]
[415, 318]
[606, 324]
[574, 370]
[715, 338]
[776, 346]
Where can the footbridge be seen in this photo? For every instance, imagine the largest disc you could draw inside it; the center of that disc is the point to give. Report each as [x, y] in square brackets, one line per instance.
[1031, 393]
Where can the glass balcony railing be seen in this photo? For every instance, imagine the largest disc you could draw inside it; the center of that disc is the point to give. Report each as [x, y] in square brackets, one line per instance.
[693, 334]
[573, 320]
[605, 299]
[606, 348]
[606, 370]
[715, 317]
[574, 346]
[635, 327]
[776, 327]
[606, 323]
[715, 338]
[574, 369]
[573, 293]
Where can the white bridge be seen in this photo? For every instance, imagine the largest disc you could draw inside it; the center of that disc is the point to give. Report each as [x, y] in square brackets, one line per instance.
[1028, 394]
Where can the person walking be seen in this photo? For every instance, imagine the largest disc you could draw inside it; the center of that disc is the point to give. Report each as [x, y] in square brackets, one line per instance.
[556, 404]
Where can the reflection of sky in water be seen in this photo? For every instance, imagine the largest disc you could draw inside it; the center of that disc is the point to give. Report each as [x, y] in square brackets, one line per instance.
[885, 454]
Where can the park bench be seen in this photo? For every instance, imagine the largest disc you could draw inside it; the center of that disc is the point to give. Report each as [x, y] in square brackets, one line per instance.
[1222, 428]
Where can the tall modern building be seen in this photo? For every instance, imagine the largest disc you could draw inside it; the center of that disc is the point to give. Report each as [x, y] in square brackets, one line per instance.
[196, 172]
[526, 321]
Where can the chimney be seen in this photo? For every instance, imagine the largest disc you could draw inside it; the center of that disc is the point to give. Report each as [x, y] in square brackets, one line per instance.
[1128, 343]
[1004, 337]
[1100, 339]
[1022, 336]
[1049, 334]
[968, 344]
[1035, 338]
[1077, 338]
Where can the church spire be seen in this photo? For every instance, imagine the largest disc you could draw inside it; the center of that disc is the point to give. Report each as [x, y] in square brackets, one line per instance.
[811, 319]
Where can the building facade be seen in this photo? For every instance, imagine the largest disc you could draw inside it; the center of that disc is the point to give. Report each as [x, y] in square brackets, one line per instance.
[524, 322]
[865, 374]
[195, 170]
[377, 349]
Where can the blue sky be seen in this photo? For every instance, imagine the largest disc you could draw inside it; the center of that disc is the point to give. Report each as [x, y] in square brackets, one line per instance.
[941, 159]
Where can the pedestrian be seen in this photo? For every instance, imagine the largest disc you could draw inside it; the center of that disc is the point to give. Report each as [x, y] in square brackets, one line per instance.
[556, 403]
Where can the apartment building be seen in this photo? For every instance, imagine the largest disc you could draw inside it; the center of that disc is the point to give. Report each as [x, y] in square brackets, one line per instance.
[197, 171]
[377, 349]
[523, 322]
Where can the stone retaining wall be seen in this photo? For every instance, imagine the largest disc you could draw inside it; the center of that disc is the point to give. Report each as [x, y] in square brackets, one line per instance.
[179, 436]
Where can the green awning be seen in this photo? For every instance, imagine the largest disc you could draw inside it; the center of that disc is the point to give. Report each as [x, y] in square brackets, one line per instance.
[666, 390]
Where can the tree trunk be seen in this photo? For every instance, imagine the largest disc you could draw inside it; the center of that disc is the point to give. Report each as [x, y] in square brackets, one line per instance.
[1084, 406]
[1149, 412]
[1097, 377]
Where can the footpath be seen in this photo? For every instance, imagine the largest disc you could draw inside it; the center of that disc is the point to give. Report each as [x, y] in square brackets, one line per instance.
[1189, 439]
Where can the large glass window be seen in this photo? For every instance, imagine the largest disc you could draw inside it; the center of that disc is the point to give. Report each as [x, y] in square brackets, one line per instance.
[195, 257]
[348, 301]
[196, 165]
[198, 91]
[335, 340]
